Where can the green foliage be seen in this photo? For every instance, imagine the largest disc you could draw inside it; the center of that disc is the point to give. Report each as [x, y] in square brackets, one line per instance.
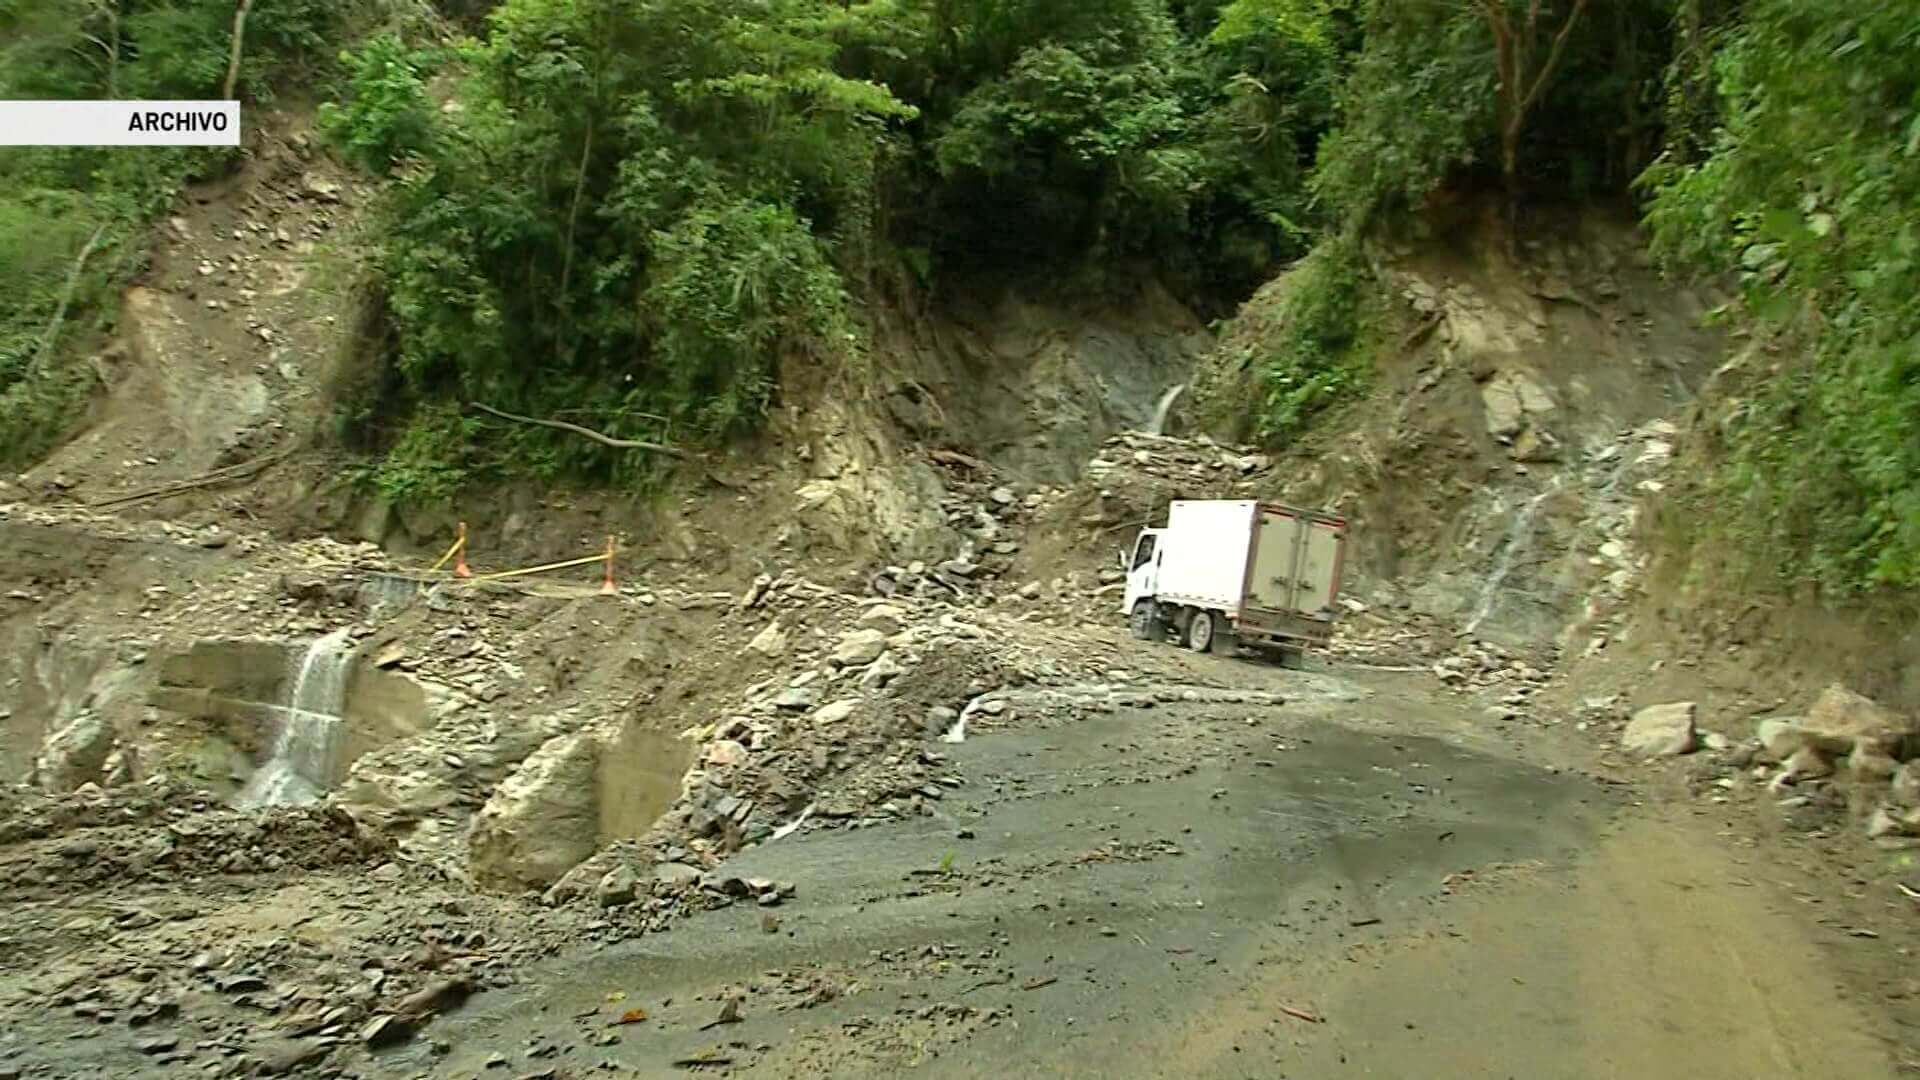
[1418, 104]
[728, 287]
[54, 200]
[1808, 194]
[1080, 137]
[1316, 358]
[625, 210]
[392, 117]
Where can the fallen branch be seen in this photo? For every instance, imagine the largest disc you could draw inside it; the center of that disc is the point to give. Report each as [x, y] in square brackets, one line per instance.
[954, 457]
[241, 471]
[602, 439]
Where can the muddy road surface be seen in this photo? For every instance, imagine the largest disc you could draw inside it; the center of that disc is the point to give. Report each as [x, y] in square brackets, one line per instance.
[1353, 884]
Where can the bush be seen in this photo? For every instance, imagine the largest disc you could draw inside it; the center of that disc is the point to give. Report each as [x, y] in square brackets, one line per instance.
[1808, 195]
[1318, 357]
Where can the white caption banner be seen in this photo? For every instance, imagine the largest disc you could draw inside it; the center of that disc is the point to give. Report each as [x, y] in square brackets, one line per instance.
[119, 123]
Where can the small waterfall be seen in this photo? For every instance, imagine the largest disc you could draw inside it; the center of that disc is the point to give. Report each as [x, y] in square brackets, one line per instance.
[1519, 533]
[1160, 411]
[305, 746]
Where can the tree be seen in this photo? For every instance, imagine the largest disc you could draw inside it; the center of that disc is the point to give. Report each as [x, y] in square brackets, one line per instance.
[1522, 74]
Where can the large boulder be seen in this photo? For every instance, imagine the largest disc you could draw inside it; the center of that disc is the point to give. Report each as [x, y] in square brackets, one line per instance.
[542, 820]
[1841, 717]
[1660, 730]
[75, 754]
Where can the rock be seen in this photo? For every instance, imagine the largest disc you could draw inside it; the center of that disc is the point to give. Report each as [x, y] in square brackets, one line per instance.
[726, 752]
[885, 618]
[1003, 496]
[755, 592]
[158, 1044]
[880, 672]
[1806, 763]
[1782, 737]
[836, 712]
[797, 699]
[1660, 730]
[674, 875]
[385, 1030]
[859, 647]
[617, 887]
[1534, 447]
[1841, 716]
[1887, 821]
[1715, 741]
[770, 642]
[319, 187]
[541, 821]
[75, 754]
[280, 1056]
[1906, 785]
[939, 719]
[1508, 399]
[1868, 764]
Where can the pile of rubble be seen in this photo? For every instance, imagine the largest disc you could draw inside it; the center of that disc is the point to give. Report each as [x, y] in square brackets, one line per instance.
[1846, 751]
[1136, 474]
[139, 832]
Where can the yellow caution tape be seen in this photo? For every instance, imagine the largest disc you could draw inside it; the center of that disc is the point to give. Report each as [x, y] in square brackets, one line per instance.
[450, 554]
[540, 569]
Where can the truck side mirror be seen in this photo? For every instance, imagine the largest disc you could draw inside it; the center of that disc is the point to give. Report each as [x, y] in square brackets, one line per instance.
[1120, 557]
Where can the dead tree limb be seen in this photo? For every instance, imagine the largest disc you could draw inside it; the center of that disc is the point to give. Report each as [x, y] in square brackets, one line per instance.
[603, 440]
[241, 471]
[66, 298]
[233, 54]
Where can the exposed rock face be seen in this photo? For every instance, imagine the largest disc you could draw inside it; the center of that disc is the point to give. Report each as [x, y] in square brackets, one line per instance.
[1660, 730]
[74, 755]
[542, 820]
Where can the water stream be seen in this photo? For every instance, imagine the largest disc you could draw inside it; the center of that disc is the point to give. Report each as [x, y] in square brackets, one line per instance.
[1519, 535]
[1160, 411]
[307, 739]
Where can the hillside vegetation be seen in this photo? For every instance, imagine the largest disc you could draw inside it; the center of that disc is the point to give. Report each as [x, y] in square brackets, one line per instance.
[634, 213]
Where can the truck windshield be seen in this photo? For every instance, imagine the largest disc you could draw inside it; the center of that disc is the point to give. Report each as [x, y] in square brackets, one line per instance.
[1142, 553]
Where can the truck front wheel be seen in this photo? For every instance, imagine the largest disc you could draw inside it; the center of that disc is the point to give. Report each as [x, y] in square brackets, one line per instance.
[1145, 623]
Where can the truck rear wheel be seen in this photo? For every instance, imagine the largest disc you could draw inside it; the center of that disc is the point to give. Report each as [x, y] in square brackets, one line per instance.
[1200, 631]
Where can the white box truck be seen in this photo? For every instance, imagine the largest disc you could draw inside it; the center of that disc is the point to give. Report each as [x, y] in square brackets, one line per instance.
[1227, 572]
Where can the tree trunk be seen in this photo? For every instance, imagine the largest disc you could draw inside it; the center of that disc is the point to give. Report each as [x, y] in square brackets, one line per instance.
[233, 55]
[113, 49]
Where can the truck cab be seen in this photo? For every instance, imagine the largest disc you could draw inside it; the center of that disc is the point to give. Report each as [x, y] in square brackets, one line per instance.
[1143, 572]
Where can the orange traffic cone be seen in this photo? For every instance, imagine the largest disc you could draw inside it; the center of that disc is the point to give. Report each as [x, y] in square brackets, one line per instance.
[607, 587]
[460, 554]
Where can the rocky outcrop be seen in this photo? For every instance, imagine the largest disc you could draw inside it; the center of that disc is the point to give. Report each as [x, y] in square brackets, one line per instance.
[542, 820]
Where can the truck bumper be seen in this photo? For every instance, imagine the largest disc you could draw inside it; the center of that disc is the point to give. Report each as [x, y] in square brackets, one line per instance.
[1281, 628]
